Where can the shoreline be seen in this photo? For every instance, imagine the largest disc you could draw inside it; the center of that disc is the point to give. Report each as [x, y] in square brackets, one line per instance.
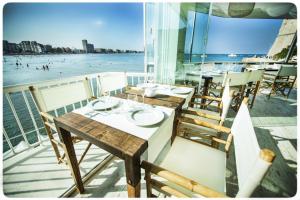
[41, 54]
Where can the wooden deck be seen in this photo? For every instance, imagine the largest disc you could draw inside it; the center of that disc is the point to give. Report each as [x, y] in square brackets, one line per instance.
[35, 173]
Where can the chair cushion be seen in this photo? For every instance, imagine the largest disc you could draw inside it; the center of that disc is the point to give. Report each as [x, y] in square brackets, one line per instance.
[198, 162]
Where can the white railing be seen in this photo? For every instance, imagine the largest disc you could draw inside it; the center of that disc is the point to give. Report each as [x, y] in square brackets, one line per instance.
[19, 110]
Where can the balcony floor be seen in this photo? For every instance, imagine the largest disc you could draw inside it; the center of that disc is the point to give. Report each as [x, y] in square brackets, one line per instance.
[35, 173]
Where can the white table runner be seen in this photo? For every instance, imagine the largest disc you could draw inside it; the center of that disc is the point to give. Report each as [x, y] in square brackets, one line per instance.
[157, 135]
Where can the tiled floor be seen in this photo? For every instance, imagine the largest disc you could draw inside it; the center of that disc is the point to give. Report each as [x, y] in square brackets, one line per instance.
[275, 122]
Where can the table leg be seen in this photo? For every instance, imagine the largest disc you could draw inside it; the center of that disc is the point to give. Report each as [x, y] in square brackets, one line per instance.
[254, 93]
[65, 137]
[133, 176]
[249, 89]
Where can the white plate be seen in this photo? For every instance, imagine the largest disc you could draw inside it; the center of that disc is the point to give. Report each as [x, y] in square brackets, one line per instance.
[146, 85]
[103, 103]
[181, 90]
[146, 117]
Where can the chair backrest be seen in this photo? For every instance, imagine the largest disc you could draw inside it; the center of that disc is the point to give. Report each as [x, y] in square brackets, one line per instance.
[226, 101]
[255, 75]
[251, 162]
[56, 95]
[236, 78]
[112, 81]
[287, 70]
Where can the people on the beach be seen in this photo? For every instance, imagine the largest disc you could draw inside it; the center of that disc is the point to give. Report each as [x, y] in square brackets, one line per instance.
[27, 65]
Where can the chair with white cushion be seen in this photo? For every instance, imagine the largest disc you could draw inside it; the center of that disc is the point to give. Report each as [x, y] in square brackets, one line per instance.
[237, 82]
[191, 169]
[112, 81]
[207, 116]
[55, 95]
[278, 82]
[254, 80]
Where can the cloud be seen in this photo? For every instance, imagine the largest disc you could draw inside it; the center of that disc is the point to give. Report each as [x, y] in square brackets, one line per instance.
[98, 22]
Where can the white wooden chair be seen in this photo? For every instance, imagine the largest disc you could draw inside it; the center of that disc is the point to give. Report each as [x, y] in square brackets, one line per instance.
[210, 117]
[222, 107]
[237, 82]
[55, 95]
[277, 83]
[254, 80]
[190, 169]
[112, 81]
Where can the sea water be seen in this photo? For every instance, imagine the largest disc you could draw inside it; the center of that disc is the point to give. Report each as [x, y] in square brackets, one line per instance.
[23, 69]
[29, 68]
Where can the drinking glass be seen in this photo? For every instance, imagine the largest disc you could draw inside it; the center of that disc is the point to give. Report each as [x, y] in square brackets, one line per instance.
[131, 98]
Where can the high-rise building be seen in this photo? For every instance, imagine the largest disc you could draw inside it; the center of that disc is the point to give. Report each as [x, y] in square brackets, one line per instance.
[85, 44]
[13, 48]
[25, 46]
[35, 47]
[87, 48]
[5, 46]
[90, 48]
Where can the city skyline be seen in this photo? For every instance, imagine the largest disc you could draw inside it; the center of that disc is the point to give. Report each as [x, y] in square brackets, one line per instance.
[106, 25]
[34, 47]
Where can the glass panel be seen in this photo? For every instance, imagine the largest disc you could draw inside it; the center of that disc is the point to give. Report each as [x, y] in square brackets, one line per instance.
[149, 37]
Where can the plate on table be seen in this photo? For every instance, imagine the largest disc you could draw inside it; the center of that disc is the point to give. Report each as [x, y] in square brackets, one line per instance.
[181, 90]
[103, 103]
[146, 117]
[146, 85]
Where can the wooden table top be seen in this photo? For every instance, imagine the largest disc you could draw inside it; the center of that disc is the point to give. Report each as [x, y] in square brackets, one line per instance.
[158, 100]
[110, 139]
[113, 140]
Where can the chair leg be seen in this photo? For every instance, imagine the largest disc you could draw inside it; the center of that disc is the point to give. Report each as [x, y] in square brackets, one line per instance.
[254, 93]
[290, 89]
[84, 153]
[148, 183]
[51, 138]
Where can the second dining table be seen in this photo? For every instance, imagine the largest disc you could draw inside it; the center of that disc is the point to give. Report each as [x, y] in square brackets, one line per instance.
[112, 131]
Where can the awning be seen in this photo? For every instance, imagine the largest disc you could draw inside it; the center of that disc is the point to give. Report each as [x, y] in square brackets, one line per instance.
[247, 10]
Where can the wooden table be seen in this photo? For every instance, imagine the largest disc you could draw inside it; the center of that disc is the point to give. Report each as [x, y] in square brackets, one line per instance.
[121, 144]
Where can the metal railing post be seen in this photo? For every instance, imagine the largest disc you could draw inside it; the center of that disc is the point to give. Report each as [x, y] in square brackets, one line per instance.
[31, 116]
[17, 118]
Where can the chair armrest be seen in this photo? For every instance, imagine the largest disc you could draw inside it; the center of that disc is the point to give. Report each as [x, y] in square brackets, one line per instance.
[47, 116]
[181, 181]
[207, 97]
[201, 114]
[206, 124]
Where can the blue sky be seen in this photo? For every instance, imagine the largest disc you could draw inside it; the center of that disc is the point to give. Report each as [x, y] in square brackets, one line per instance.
[233, 35]
[120, 25]
[106, 25]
